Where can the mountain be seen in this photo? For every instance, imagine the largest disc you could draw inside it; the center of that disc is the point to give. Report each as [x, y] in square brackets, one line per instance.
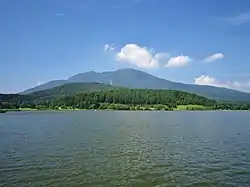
[110, 97]
[45, 86]
[43, 97]
[70, 89]
[132, 78]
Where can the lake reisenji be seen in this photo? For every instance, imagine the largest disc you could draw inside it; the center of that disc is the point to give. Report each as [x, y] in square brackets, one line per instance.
[135, 149]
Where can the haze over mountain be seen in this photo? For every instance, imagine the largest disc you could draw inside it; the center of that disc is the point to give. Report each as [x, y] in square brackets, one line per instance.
[133, 78]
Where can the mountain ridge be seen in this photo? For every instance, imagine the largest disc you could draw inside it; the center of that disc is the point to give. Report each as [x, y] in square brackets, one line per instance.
[70, 89]
[132, 78]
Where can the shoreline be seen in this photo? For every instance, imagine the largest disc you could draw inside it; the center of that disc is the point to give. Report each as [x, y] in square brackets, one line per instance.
[65, 110]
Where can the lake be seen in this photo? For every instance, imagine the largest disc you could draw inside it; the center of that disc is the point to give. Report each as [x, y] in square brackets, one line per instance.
[130, 148]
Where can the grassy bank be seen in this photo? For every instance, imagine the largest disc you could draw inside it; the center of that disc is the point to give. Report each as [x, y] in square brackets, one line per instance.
[18, 109]
[157, 107]
[193, 107]
[2, 111]
[123, 107]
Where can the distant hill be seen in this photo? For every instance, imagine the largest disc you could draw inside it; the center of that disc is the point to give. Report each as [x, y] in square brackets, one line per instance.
[132, 78]
[45, 86]
[45, 96]
[70, 89]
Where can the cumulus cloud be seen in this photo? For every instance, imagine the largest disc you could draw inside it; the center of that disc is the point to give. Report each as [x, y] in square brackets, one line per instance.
[214, 57]
[240, 19]
[178, 61]
[109, 47]
[141, 57]
[207, 80]
[162, 56]
[144, 57]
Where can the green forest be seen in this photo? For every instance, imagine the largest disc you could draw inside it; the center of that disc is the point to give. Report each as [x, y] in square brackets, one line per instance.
[118, 99]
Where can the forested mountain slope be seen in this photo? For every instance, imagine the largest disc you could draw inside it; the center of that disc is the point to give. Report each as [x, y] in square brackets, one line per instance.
[132, 78]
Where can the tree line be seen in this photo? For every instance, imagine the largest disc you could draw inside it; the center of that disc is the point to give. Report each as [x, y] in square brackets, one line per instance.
[118, 99]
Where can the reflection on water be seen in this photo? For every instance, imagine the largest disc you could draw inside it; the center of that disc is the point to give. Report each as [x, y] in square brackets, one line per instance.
[107, 148]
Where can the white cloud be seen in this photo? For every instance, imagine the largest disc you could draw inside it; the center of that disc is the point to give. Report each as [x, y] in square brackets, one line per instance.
[162, 56]
[142, 57]
[152, 51]
[207, 80]
[39, 83]
[240, 19]
[109, 47]
[178, 61]
[214, 57]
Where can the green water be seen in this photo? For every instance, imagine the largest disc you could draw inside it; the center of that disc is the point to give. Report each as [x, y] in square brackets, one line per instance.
[135, 149]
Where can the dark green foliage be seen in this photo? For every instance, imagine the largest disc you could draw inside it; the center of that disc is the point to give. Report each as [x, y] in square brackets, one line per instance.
[122, 98]
[231, 106]
[13, 101]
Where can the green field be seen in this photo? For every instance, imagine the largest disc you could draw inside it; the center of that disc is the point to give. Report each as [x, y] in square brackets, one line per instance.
[18, 109]
[192, 107]
[107, 106]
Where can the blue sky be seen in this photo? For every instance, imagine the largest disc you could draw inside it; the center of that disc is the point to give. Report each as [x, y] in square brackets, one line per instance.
[190, 41]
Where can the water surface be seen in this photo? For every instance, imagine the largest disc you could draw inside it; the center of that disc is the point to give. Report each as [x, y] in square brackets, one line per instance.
[109, 148]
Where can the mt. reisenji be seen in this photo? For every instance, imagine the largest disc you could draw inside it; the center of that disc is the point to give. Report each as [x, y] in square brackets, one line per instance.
[132, 78]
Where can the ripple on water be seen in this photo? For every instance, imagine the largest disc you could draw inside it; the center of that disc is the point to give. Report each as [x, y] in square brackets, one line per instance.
[157, 149]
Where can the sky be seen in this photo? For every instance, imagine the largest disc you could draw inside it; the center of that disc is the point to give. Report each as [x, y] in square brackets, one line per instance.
[205, 42]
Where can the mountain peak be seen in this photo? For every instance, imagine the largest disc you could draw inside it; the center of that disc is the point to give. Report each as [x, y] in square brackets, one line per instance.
[134, 78]
[130, 69]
